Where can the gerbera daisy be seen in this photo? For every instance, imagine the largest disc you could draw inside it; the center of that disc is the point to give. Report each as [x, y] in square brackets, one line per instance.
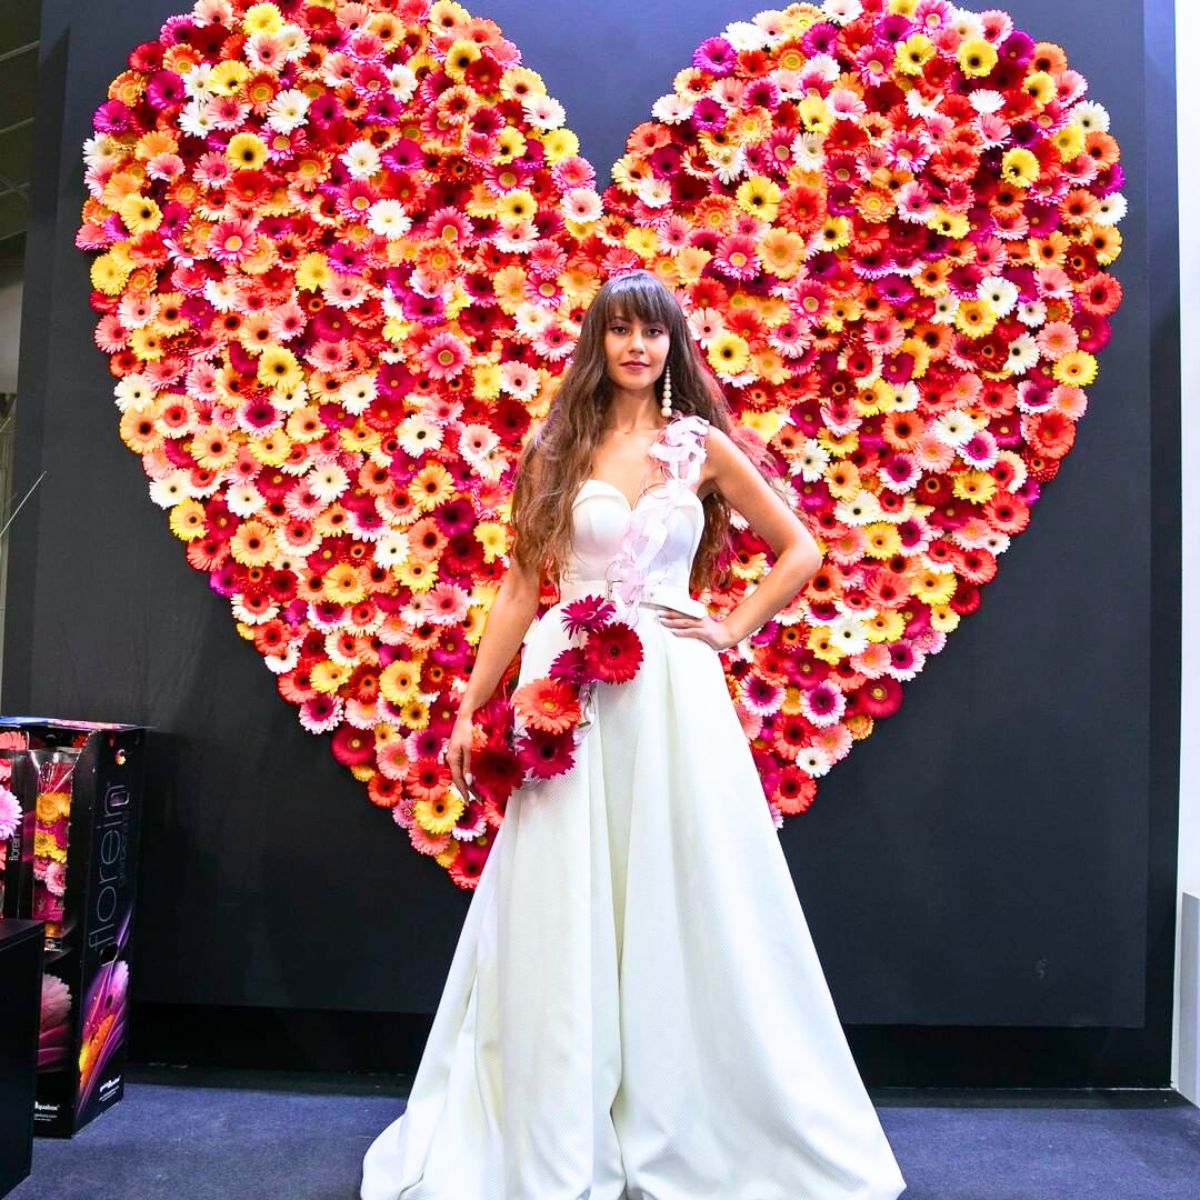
[549, 705]
[444, 356]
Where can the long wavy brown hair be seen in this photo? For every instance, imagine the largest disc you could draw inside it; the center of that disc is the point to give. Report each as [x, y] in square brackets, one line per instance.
[557, 457]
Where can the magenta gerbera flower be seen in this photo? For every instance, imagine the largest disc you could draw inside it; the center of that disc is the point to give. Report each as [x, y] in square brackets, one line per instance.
[543, 755]
[586, 613]
[715, 55]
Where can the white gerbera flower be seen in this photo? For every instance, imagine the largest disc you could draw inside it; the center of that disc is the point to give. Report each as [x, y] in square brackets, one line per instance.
[391, 550]
[194, 118]
[944, 309]
[654, 192]
[1090, 116]
[1022, 354]
[848, 633]
[672, 109]
[288, 111]
[327, 481]
[388, 219]
[811, 464]
[841, 11]
[744, 35]
[1032, 313]
[543, 112]
[402, 81]
[812, 760]
[361, 159]
[966, 24]
[999, 292]
[356, 394]
[134, 391]
[293, 40]
[1111, 210]
[171, 489]
[808, 151]
[244, 500]
[986, 100]
[954, 428]
[861, 509]
[418, 436]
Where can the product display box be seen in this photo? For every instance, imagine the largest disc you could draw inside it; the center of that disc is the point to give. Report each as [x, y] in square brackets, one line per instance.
[71, 863]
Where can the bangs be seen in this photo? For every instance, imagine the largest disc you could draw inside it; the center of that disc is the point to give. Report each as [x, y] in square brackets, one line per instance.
[641, 296]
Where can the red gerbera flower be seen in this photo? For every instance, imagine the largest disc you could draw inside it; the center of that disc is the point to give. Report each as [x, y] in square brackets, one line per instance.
[613, 653]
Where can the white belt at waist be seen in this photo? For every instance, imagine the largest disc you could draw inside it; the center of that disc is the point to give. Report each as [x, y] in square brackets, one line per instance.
[659, 592]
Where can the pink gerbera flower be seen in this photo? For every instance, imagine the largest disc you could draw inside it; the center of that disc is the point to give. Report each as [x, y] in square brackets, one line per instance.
[233, 240]
[444, 356]
[737, 258]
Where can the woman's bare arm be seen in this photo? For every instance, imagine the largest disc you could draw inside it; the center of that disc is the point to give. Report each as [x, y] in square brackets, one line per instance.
[797, 555]
[507, 622]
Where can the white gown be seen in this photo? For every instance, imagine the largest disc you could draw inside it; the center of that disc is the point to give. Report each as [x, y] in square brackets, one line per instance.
[635, 1009]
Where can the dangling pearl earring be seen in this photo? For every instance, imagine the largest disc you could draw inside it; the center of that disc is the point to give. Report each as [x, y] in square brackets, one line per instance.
[666, 396]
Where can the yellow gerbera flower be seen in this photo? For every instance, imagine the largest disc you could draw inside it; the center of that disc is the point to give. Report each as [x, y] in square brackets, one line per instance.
[226, 78]
[262, 18]
[943, 618]
[514, 207]
[417, 574]
[834, 233]
[976, 487]
[313, 272]
[814, 115]
[398, 681]
[440, 815]
[1077, 368]
[642, 241]
[1019, 166]
[882, 540]
[108, 276]
[975, 318]
[560, 144]
[459, 58]
[187, 520]
[1069, 141]
[760, 197]
[728, 353]
[519, 82]
[913, 53]
[976, 56]
[343, 584]
[139, 213]
[328, 676]
[934, 587]
[415, 714]
[278, 368]
[1040, 87]
[246, 151]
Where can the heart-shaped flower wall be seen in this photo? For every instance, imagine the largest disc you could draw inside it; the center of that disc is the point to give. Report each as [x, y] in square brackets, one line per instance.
[342, 251]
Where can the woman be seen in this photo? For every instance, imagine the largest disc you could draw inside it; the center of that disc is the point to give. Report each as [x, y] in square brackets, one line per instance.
[635, 1010]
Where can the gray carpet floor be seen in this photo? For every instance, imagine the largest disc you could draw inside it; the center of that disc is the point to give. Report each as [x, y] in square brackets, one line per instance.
[234, 1136]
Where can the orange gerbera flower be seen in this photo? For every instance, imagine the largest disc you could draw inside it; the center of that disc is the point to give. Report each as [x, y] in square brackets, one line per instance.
[551, 705]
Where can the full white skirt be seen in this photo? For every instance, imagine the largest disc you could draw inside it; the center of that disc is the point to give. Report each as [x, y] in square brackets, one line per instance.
[635, 1009]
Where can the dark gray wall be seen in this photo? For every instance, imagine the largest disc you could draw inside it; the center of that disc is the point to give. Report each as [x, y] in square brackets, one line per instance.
[1000, 853]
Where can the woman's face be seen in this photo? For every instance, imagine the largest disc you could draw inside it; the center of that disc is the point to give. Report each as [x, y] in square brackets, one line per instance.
[627, 342]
